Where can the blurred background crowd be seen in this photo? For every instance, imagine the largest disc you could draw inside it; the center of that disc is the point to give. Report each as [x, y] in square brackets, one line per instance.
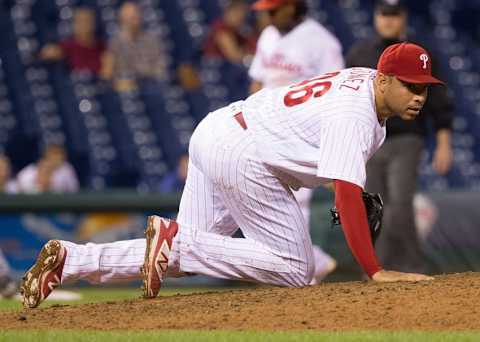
[117, 87]
[105, 94]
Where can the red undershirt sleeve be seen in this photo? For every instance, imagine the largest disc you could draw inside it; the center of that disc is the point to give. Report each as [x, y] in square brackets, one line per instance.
[353, 215]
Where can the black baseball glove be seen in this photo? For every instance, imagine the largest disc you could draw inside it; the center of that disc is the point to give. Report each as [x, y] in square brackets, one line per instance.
[374, 207]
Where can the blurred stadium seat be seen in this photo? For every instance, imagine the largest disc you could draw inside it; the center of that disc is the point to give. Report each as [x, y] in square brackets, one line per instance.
[133, 139]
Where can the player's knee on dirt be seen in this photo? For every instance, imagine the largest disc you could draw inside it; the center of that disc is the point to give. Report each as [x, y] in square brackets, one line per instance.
[301, 279]
[302, 276]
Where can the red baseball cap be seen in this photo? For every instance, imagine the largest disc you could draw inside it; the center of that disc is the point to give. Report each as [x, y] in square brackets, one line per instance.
[408, 62]
[265, 5]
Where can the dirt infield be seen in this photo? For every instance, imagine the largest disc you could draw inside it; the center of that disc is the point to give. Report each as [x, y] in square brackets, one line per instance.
[451, 302]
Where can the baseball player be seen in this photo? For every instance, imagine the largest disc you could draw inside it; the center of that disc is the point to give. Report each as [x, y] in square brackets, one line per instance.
[245, 159]
[293, 48]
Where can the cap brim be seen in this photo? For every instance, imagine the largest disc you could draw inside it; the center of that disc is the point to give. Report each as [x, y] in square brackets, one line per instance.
[262, 5]
[420, 79]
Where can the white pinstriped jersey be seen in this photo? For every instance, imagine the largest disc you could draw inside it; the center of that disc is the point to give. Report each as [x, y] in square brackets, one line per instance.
[308, 50]
[317, 130]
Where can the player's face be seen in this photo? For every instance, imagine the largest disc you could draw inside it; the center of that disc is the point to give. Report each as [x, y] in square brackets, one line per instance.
[405, 99]
[390, 26]
[282, 17]
[262, 20]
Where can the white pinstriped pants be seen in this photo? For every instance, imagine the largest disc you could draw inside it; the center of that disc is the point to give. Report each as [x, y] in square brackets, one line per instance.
[227, 187]
[322, 259]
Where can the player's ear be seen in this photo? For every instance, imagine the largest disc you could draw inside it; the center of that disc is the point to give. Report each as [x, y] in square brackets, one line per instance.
[382, 81]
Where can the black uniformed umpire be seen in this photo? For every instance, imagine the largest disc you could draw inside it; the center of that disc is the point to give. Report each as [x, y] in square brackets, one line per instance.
[392, 171]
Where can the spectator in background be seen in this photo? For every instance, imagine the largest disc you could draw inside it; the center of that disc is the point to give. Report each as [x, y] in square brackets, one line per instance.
[226, 39]
[7, 184]
[228, 43]
[175, 181]
[294, 48]
[52, 173]
[133, 54]
[188, 77]
[392, 171]
[83, 51]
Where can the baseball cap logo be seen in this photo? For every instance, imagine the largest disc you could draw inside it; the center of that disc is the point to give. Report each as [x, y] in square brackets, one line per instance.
[424, 59]
[408, 62]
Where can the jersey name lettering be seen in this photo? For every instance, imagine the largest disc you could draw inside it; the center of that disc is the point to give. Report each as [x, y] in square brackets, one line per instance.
[356, 78]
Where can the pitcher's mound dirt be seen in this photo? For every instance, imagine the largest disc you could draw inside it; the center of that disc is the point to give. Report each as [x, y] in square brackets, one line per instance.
[451, 302]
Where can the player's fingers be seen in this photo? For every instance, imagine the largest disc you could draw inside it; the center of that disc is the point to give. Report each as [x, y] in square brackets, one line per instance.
[420, 277]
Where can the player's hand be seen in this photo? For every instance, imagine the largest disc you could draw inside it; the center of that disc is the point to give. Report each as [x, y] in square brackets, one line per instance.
[442, 159]
[384, 276]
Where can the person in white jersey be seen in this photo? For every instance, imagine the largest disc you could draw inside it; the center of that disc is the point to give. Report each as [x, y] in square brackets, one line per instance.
[51, 173]
[293, 48]
[245, 159]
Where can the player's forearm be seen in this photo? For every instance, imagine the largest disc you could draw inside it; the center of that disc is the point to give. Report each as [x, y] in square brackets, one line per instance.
[353, 215]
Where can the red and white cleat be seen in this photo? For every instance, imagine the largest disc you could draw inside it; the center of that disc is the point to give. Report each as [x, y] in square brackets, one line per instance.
[44, 275]
[159, 233]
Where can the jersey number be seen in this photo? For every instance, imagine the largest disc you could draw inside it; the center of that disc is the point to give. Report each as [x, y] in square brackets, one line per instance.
[304, 90]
